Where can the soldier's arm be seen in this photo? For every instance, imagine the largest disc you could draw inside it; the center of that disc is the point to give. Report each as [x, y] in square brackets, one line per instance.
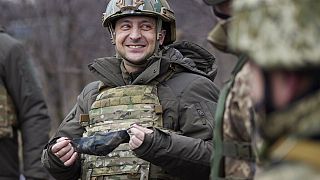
[33, 119]
[69, 128]
[187, 154]
[51, 161]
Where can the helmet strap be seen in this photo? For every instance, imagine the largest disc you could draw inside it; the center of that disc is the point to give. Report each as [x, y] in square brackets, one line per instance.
[112, 33]
[158, 33]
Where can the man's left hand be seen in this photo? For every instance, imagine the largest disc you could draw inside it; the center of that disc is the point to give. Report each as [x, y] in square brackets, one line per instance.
[137, 135]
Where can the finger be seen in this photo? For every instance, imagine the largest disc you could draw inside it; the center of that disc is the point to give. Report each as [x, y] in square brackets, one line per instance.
[65, 150]
[59, 145]
[61, 139]
[72, 159]
[67, 155]
[143, 129]
[137, 133]
[134, 143]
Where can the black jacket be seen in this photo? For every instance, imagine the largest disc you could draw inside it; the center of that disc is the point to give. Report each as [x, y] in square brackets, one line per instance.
[188, 98]
[17, 76]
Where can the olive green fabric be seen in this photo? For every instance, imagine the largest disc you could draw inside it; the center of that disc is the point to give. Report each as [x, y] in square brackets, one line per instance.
[18, 78]
[187, 109]
[203, 60]
[278, 34]
[218, 36]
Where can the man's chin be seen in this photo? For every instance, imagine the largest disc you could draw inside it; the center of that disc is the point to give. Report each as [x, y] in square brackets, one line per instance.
[136, 61]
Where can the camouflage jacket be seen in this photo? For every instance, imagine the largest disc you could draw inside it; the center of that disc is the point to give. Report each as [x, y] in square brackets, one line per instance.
[234, 117]
[17, 77]
[188, 99]
[293, 133]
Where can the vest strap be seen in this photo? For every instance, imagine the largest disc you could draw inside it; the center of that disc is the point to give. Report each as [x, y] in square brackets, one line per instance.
[218, 159]
[238, 150]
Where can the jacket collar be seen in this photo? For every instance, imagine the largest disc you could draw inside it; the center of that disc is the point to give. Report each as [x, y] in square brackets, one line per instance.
[109, 71]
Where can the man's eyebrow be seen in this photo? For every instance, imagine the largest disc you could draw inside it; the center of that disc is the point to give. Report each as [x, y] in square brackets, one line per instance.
[142, 21]
[124, 21]
[146, 21]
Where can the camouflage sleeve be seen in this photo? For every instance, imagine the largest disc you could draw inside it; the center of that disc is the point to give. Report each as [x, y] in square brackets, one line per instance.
[179, 154]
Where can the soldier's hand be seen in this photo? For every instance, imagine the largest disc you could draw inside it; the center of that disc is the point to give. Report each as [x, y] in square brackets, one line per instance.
[138, 134]
[64, 151]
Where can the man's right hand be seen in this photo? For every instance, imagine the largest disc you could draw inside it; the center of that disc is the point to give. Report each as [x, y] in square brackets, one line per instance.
[64, 151]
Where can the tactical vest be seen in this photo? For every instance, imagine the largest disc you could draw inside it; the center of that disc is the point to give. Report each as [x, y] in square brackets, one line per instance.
[116, 109]
[223, 148]
[8, 116]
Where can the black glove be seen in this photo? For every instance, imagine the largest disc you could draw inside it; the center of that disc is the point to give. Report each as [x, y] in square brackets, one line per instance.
[100, 143]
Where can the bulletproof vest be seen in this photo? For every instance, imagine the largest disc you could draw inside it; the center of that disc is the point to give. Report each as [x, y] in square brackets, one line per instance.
[116, 109]
[8, 116]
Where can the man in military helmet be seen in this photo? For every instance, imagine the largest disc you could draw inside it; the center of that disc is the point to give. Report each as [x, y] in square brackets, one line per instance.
[149, 88]
[282, 37]
[233, 157]
[22, 109]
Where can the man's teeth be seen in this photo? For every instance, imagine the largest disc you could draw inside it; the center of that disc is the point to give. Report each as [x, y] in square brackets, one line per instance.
[135, 46]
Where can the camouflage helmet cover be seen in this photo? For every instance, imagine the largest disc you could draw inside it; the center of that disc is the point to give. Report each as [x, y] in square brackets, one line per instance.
[155, 8]
[278, 34]
[214, 2]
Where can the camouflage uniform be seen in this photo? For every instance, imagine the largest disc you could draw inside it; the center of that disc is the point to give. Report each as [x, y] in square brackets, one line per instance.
[285, 35]
[294, 156]
[234, 157]
[187, 109]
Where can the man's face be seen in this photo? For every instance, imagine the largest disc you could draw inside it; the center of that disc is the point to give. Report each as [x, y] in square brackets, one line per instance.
[135, 38]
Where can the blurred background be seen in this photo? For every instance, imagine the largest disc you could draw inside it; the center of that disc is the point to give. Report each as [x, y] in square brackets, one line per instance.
[64, 36]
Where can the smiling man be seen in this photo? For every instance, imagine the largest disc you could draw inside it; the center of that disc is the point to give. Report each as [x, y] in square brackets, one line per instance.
[135, 40]
[149, 89]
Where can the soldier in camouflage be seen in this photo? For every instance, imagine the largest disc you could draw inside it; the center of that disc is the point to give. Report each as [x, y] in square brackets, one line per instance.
[22, 109]
[151, 88]
[233, 157]
[283, 39]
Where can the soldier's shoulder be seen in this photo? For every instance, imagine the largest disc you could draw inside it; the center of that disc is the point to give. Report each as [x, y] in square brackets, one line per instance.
[91, 89]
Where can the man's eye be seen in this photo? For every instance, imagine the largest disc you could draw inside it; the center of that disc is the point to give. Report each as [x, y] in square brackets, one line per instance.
[125, 26]
[146, 27]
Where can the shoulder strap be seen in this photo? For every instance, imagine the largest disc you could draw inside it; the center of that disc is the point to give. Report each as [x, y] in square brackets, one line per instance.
[219, 144]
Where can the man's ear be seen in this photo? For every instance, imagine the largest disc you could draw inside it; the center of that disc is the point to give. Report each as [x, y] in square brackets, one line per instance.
[162, 35]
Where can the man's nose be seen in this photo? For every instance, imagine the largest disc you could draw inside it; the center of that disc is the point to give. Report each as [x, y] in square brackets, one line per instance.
[135, 33]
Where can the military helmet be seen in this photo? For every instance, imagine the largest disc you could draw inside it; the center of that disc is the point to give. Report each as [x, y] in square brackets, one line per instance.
[278, 34]
[214, 2]
[155, 8]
